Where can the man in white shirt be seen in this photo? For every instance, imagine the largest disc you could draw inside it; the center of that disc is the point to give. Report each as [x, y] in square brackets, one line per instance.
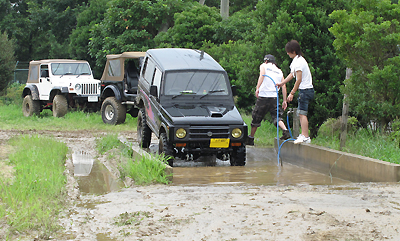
[299, 69]
[266, 95]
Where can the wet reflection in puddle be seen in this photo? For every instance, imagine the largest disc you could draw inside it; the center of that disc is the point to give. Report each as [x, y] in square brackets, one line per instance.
[93, 177]
[261, 169]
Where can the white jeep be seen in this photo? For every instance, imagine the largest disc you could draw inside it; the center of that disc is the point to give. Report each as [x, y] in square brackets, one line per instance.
[58, 84]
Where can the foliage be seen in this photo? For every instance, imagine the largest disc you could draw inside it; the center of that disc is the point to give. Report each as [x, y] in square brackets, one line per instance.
[41, 28]
[307, 21]
[89, 15]
[332, 127]
[7, 61]
[35, 196]
[395, 134]
[12, 94]
[107, 143]
[131, 26]
[147, 170]
[367, 39]
[365, 143]
[191, 28]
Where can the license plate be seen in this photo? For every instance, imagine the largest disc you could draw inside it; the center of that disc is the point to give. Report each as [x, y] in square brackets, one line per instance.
[93, 99]
[219, 143]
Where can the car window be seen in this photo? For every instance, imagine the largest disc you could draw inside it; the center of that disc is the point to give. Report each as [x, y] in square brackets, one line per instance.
[114, 67]
[195, 82]
[149, 70]
[70, 69]
[157, 80]
[33, 74]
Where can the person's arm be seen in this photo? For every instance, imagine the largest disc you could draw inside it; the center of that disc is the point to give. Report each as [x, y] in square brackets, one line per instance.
[296, 85]
[284, 92]
[260, 80]
[288, 78]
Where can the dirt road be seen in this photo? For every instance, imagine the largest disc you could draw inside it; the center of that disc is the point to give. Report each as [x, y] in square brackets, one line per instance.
[368, 211]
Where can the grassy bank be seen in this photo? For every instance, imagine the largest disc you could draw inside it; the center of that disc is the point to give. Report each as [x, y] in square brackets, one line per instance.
[143, 170]
[31, 198]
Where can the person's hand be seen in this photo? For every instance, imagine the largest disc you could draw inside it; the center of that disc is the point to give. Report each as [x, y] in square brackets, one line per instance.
[257, 90]
[284, 105]
[279, 85]
[289, 98]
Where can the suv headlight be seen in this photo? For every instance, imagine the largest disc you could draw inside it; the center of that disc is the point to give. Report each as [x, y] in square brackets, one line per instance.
[236, 133]
[78, 86]
[180, 133]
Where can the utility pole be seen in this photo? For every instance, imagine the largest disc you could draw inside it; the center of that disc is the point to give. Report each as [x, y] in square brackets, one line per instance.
[345, 114]
[224, 9]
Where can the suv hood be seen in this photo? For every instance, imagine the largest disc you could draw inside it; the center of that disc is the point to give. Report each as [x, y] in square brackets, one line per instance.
[204, 114]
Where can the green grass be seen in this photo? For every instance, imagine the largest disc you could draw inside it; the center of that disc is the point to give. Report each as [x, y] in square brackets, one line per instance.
[143, 170]
[31, 200]
[364, 143]
[12, 118]
[265, 134]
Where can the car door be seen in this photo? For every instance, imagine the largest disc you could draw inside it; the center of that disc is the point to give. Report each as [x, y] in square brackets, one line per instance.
[45, 84]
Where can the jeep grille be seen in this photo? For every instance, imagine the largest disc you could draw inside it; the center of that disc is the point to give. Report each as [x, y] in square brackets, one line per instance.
[90, 89]
[208, 132]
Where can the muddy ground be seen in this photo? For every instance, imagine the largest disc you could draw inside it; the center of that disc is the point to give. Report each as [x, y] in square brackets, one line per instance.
[357, 211]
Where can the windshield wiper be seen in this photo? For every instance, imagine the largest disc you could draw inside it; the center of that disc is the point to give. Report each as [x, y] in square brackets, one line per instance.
[81, 74]
[184, 92]
[69, 73]
[212, 91]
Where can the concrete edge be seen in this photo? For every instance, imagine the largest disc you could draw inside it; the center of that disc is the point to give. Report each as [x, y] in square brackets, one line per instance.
[355, 168]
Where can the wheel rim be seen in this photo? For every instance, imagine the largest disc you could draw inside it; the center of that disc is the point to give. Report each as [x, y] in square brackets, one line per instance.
[27, 108]
[109, 112]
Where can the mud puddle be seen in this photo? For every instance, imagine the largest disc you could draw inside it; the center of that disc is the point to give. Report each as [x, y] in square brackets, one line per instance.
[92, 176]
[261, 169]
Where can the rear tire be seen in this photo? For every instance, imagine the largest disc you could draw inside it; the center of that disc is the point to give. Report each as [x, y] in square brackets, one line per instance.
[60, 106]
[143, 130]
[238, 156]
[113, 112]
[164, 147]
[30, 107]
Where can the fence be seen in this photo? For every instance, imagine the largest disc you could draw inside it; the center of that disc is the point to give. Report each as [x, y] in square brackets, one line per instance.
[21, 72]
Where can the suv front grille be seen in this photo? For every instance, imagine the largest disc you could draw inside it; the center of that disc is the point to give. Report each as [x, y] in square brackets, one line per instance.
[90, 89]
[207, 132]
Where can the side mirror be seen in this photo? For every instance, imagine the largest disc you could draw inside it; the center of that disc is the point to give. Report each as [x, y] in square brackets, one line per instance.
[153, 91]
[234, 90]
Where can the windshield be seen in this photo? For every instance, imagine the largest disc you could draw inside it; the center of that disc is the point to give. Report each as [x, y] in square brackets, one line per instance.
[195, 83]
[70, 69]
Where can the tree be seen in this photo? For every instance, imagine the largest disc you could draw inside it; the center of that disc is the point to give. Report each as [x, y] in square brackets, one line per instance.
[368, 39]
[307, 21]
[191, 28]
[7, 61]
[131, 26]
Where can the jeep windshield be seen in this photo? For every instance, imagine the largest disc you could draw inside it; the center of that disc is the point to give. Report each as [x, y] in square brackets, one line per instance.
[200, 83]
[70, 69]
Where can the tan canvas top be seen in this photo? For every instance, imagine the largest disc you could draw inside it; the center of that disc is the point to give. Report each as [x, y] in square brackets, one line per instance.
[48, 61]
[127, 55]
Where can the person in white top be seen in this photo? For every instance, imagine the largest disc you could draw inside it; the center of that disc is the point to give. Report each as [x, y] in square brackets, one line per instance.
[266, 98]
[299, 69]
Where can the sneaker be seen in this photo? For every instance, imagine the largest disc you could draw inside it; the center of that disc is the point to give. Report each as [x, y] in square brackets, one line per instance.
[285, 135]
[250, 141]
[302, 139]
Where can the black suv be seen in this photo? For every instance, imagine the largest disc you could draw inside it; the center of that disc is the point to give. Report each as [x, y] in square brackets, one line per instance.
[186, 100]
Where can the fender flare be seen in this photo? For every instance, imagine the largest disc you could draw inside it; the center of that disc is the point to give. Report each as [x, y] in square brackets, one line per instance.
[33, 90]
[111, 89]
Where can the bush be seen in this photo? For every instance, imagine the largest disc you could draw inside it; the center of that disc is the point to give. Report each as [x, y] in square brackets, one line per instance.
[12, 95]
[331, 127]
[7, 61]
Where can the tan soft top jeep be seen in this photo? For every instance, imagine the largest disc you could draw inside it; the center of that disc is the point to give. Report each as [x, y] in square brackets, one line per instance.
[119, 86]
[58, 84]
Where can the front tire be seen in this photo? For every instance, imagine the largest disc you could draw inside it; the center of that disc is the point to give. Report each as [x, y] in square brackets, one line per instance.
[60, 106]
[164, 147]
[30, 107]
[143, 130]
[238, 156]
[113, 112]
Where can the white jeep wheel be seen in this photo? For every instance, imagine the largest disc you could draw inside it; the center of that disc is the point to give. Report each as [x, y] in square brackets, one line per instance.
[30, 107]
[60, 106]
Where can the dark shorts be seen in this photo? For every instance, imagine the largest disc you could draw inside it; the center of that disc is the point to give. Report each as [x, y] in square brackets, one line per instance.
[262, 107]
[305, 96]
